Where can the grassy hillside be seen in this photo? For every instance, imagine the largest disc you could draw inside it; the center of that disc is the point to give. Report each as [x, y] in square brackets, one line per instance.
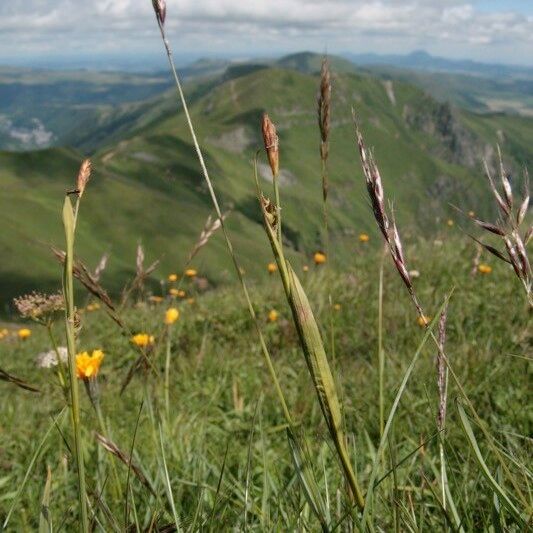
[224, 438]
[147, 183]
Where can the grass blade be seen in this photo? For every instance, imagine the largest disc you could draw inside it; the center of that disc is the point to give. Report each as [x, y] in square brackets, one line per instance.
[45, 520]
[392, 413]
[496, 487]
[22, 486]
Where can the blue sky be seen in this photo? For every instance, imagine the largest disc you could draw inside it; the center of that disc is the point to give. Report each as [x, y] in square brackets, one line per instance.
[488, 30]
[520, 6]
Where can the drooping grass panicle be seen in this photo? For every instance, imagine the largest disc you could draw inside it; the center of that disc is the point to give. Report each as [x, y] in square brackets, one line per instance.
[112, 448]
[509, 228]
[10, 378]
[386, 223]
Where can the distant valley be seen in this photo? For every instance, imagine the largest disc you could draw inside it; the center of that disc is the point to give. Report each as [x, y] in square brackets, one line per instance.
[147, 186]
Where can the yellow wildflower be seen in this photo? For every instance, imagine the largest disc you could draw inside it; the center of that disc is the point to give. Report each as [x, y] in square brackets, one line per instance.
[191, 273]
[484, 269]
[363, 237]
[305, 268]
[319, 258]
[177, 292]
[171, 315]
[273, 315]
[87, 366]
[24, 333]
[172, 277]
[449, 222]
[471, 214]
[93, 307]
[423, 320]
[337, 307]
[142, 340]
[272, 267]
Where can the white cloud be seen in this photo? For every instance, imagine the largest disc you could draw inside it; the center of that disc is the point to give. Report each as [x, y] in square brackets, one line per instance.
[57, 26]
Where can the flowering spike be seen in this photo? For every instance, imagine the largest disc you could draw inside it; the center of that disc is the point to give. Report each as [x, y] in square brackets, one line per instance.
[160, 8]
[83, 176]
[270, 139]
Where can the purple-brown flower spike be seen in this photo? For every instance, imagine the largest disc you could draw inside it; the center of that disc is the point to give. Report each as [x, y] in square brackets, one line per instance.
[270, 139]
[160, 8]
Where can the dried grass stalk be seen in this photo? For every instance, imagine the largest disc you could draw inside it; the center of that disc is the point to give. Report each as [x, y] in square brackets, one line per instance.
[442, 374]
[210, 228]
[90, 282]
[100, 267]
[112, 448]
[10, 378]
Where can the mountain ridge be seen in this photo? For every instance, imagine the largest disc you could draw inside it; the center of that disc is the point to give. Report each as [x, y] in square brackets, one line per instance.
[147, 186]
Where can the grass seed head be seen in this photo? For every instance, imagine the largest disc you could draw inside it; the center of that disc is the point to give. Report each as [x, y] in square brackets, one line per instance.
[324, 108]
[160, 8]
[270, 138]
[83, 176]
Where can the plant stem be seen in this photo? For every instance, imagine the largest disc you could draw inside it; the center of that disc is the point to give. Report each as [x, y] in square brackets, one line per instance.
[68, 290]
[167, 374]
[229, 245]
[381, 353]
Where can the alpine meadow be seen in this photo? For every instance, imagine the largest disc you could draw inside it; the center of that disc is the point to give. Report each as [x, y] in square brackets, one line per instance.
[284, 293]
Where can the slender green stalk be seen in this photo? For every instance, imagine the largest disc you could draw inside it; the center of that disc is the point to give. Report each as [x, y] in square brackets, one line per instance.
[68, 290]
[117, 492]
[381, 353]
[167, 373]
[443, 478]
[278, 204]
[390, 419]
[314, 352]
[229, 245]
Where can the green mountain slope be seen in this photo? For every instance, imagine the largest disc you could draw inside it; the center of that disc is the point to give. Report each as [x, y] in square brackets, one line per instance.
[147, 185]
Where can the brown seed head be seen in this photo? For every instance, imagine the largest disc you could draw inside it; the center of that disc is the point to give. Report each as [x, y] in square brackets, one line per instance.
[83, 176]
[324, 106]
[160, 8]
[270, 139]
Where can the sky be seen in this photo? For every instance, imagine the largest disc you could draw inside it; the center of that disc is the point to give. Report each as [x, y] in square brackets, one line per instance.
[498, 31]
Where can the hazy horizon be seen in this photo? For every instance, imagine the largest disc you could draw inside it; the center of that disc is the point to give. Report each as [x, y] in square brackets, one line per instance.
[155, 61]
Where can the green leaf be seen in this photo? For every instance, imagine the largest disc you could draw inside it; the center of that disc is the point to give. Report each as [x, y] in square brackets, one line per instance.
[45, 520]
[498, 489]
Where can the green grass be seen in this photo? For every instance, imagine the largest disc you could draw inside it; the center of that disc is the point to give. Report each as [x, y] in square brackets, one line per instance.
[219, 454]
